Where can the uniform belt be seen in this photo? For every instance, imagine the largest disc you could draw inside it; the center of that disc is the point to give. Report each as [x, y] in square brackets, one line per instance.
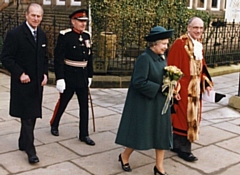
[75, 63]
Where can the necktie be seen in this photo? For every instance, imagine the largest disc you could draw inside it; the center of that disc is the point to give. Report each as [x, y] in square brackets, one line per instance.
[35, 35]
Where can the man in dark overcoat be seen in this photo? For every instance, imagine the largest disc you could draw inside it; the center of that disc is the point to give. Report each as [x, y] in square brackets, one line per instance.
[24, 56]
[74, 71]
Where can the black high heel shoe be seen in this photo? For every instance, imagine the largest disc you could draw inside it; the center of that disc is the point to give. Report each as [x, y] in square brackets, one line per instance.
[126, 166]
[157, 172]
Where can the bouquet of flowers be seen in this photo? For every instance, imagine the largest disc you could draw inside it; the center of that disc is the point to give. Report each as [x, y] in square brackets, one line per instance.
[170, 79]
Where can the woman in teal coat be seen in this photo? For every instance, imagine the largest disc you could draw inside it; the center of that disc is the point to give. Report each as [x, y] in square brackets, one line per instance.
[142, 125]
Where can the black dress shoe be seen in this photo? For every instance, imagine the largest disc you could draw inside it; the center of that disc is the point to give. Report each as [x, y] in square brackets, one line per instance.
[187, 156]
[54, 131]
[87, 140]
[126, 166]
[33, 159]
[157, 172]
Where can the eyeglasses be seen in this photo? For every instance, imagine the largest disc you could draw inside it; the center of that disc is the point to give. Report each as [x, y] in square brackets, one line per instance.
[197, 28]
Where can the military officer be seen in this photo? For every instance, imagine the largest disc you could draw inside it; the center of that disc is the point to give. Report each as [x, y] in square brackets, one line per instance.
[73, 70]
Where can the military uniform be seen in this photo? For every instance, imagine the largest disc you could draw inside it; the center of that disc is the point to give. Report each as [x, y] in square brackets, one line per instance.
[73, 58]
[73, 64]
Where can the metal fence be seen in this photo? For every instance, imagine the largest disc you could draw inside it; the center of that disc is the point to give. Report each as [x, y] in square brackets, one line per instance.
[115, 50]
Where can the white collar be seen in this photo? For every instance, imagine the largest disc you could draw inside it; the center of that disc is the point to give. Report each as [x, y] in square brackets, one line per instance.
[197, 49]
[31, 29]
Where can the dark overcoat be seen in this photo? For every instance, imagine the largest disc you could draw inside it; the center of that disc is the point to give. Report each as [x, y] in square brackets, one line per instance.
[21, 54]
[142, 126]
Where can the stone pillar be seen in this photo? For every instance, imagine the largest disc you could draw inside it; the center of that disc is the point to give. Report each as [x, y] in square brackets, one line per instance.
[68, 3]
[194, 4]
[53, 3]
[209, 5]
[222, 5]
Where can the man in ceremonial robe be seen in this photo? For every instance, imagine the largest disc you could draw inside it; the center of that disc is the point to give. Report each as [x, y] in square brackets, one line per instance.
[187, 54]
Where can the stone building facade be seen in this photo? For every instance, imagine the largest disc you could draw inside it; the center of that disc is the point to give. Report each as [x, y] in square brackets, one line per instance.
[215, 7]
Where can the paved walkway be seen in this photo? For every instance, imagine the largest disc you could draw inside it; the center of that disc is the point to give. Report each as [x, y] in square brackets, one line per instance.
[218, 148]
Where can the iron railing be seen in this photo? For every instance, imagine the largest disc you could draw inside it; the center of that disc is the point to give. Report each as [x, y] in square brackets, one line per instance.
[116, 49]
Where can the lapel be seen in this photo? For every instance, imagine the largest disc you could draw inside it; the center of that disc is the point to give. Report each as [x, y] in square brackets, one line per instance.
[28, 35]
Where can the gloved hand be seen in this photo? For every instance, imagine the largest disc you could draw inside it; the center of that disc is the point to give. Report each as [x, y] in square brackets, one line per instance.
[61, 86]
[89, 82]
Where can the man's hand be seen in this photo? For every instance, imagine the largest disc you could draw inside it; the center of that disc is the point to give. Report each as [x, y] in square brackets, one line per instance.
[61, 86]
[45, 79]
[208, 89]
[24, 78]
[177, 97]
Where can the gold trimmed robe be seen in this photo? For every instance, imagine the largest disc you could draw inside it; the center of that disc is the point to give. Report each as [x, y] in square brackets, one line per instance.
[187, 116]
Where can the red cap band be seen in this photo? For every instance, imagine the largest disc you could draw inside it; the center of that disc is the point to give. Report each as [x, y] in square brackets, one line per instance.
[79, 15]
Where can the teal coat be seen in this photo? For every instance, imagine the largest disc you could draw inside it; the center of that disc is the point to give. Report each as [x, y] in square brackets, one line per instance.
[142, 126]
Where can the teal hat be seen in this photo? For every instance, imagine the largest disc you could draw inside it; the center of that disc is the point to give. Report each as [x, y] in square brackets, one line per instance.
[158, 33]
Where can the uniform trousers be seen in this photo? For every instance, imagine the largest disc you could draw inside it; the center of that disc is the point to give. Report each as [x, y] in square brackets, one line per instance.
[181, 143]
[26, 138]
[65, 97]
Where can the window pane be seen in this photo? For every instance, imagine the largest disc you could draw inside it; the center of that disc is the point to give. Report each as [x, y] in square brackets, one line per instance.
[200, 3]
[75, 2]
[46, 2]
[60, 2]
[214, 3]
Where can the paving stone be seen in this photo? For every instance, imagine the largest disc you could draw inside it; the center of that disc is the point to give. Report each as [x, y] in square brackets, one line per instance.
[204, 122]
[220, 115]
[107, 101]
[231, 144]
[73, 103]
[106, 163]
[118, 108]
[4, 95]
[107, 123]
[10, 126]
[176, 168]
[233, 170]
[211, 159]
[48, 155]
[49, 90]
[9, 142]
[235, 121]
[45, 120]
[98, 112]
[217, 148]
[209, 135]
[64, 168]
[228, 127]
[4, 105]
[3, 171]
[20, 162]
[66, 131]
[208, 106]
[4, 114]
[104, 142]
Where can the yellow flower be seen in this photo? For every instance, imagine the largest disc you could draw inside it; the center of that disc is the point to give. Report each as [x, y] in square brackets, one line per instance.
[172, 75]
